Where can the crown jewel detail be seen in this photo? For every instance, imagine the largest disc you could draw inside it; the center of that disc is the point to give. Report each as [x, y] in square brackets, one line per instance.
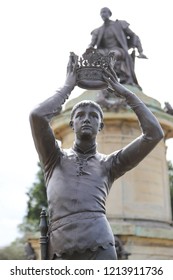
[90, 69]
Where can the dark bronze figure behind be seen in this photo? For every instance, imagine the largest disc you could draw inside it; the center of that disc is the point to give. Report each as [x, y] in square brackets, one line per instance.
[79, 179]
[118, 37]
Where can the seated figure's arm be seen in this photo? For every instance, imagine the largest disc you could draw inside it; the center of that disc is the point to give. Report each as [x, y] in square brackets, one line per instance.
[132, 39]
[94, 36]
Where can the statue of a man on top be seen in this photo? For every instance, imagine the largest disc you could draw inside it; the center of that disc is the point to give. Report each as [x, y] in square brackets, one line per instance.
[116, 36]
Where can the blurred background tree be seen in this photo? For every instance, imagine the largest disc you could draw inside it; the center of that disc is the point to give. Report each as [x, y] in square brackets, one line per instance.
[14, 251]
[37, 200]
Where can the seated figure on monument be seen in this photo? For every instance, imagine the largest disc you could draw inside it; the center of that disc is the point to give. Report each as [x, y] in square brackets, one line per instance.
[78, 179]
[118, 37]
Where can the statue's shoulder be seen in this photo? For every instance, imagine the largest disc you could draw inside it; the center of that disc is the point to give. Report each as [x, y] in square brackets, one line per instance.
[123, 23]
[96, 30]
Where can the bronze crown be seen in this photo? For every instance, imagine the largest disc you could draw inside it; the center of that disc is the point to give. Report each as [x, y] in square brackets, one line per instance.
[90, 69]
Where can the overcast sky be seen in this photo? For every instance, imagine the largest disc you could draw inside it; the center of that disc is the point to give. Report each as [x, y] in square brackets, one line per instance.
[36, 38]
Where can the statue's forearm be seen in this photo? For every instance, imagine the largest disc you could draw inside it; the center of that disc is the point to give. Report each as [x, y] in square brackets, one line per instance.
[140, 147]
[149, 124]
[53, 105]
[40, 118]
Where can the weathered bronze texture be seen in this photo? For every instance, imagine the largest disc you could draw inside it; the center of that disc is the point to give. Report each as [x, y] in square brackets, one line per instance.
[168, 108]
[90, 69]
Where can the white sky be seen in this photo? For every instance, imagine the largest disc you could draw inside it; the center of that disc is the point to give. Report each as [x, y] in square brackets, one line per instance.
[36, 38]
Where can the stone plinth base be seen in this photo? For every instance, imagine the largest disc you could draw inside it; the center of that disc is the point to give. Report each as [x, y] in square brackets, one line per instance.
[35, 243]
[145, 242]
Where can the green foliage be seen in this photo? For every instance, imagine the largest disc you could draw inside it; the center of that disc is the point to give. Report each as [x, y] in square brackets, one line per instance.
[15, 251]
[170, 171]
[37, 200]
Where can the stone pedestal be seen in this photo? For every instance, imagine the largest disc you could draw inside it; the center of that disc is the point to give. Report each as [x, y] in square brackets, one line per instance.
[35, 242]
[138, 206]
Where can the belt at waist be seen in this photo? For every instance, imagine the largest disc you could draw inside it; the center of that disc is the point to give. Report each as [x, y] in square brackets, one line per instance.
[71, 218]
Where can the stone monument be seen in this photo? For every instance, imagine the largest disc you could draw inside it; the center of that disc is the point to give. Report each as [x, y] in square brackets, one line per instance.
[138, 207]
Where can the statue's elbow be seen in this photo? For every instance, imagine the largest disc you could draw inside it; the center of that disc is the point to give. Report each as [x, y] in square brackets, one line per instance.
[159, 134]
[34, 114]
[155, 135]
